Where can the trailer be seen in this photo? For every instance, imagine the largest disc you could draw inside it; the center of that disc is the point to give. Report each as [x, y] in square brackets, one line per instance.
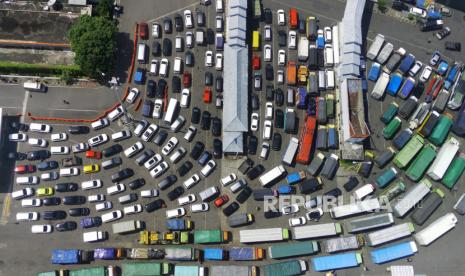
[413, 196]
[236, 270]
[181, 254]
[210, 236]
[375, 47]
[107, 253]
[454, 171]
[290, 121]
[295, 249]
[342, 244]
[291, 151]
[315, 231]
[419, 165]
[189, 270]
[138, 269]
[429, 205]
[393, 252]
[369, 223]
[144, 253]
[337, 261]
[92, 271]
[263, 235]
[408, 152]
[272, 175]
[246, 254]
[440, 131]
[357, 208]
[443, 159]
[178, 224]
[389, 234]
[436, 229]
[214, 254]
[306, 141]
[287, 268]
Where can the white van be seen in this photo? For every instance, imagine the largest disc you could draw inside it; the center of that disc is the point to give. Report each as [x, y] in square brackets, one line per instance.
[208, 193]
[116, 113]
[154, 67]
[91, 184]
[58, 150]
[329, 55]
[141, 52]
[25, 180]
[175, 213]
[94, 236]
[321, 80]
[177, 65]
[34, 86]
[219, 6]
[69, 172]
[329, 79]
[179, 45]
[42, 128]
[177, 155]
[121, 135]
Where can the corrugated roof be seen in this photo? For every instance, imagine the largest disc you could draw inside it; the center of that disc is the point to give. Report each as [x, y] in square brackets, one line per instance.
[233, 142]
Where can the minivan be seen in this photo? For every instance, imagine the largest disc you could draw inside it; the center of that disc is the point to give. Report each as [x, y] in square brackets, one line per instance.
[177, 65]
[208, 193]
[121, 135]
[219, 6]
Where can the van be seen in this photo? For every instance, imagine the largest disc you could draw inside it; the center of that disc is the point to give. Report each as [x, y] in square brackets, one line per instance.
[94, 236]
[200, 37]
[208, 193]
[141, 53]
[290, 97]
[179, 44]
[219, 42]
[91, 184]
[121, 135]
[116, 113]
[322, 80]
[25, 180]
[219, 6]
[177, 65]
[100, 124]
[329, 76]
[125, 199]
[177, 155]
[34, 86]
[69, 171]
[312, 28]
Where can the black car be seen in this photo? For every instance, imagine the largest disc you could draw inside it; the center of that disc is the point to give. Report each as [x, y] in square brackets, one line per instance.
[205, 123]
[160, 137]
[112, 163]
[167, 25]
[244, 194]
[189, 59]
[175, 193]
[167, 182]
[66, 187]
[147, 108]
[208, 78]
[453, 46]
[195, 116]
[255, 102]
[302, 27]
[277, 141]
[167, 47]
[53, 215]
[399, 5]
[271, 214]
[312, 106]
[279, 97]
[160, 93]
[19, 126]
[176, 84]
[200, 19]
[246, 165]
[279, 118]
[51, 201]
[216, 127]
[253, 144]
[268, 15]
[156, 49]
[197, 150]
[38, 155]
[74, 200]
[210, 36]
[47, 165]
[185, 168]
[78, 130]
[269, 72]
[70, 161]
[255, 171]
[204, 158]
[66, 226]
[269, 93]
[282, 38]
[135, 184]
[154, 205]
[217, 148]
[230, 209]
[122, 175]
[219, 84]
[151, 88]
[430, 26]
[112, 150]
[178, 23]
[77, 212]
[140, 160]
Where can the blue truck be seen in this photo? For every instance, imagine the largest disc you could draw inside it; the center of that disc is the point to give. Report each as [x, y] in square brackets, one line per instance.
[139, 76]
[451, 76]
[178, 224]
[71, 256]
[302, 98]
[394, 84]
[295, 177]
[90, 222]
[393, 252]
[246, 253]
[105, 254]
[214, 254]
[407, 88]
[406, 63]
[337, 261]
[333, 142]
[375, 69]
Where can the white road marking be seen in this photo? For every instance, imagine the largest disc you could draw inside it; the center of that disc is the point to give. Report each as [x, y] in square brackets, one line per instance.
[26, 99]
[173, 12]
[306, 10]
[11, 107]
[75, 110]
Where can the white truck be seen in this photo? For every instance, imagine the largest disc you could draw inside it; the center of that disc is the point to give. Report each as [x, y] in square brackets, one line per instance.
[316, 231]
[375, 47]
[436, 229]
[302, 51]
[357, 208]
[94, 236]
[392, 233]
[444, 158]
[127, 226]
[380, 86]
[329, 55]
[412, 197]
[272, 175]
[291, 151]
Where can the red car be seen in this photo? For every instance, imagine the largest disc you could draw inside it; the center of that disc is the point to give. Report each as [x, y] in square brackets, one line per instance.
[93, 154]
[207, 95]
[143, 30]
[256, 62]
[187, 79]
[220, 201]
[25, 169]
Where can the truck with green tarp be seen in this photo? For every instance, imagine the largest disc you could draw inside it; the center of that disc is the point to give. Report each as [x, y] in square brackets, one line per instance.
[294, 267]
[440, 131]
[392, 127]
[454, 171]
[93, 271]
[52, 273]
[146, 269]
[210, 236]
[287, 250]
[408, 152]
[419, 165]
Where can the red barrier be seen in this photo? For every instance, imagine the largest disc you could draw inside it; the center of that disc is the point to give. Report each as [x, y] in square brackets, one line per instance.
[136, 36]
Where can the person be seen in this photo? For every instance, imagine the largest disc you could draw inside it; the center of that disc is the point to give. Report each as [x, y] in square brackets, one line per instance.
[65, 102]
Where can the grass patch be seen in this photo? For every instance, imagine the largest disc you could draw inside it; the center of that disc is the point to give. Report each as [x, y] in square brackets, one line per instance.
[41, 70]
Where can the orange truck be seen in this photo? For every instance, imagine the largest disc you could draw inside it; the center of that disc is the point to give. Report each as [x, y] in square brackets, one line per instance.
[291, 73]
[302, 74]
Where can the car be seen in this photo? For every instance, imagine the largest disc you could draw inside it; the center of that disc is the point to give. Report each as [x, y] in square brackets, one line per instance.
[267, 130]
[206, 120]
[282, 38]
[207, 95]
[167, 25]
[442, 33]
[41, 229]
[66, 187]
[179, 44]
[453, 46]
[200, 207]
[208, 168]
[268, 54]
[160, 137]
[175, 193]
[96, 198]
[442, 68]
[17, 137]
[167, 47]
[254, 119]
[35, 142]
[154, 205]
[144, 157]
[38, 155]
[417, 12]
[269, 110]
[255, 103]
[257, 82]
[178, 23]
[252, 145]
[121, 175]
[279, 97]
[269, 75]
[426, 74]
[435, 58]
[244, 194]
[208, 58]
[126, 199]
[189, 42]
[268, 33]
[219, 23]
[59, 137]
[185, 98]
[74, 200]
[80, 147]
[188, 19]
[134, 149]
[219, 62]
[121, 135]
[78, 130]
[255, 171]
[277, 141]
[204, 158]
[111, 216]
[107, 205]
[53, 215]
[415, 68]
[281, 57]
[78, 212]
[195, 115]
[265, 150]
[297, 221]
[292, 40]
[167, 182]
[175, 213]
[116, 189]
[241, 183]
[315, 214]
[27, 216]
[225, 181]
[221, 200]
[42, 128]
[132, 96]
[217, 148]
[49, 176]
[136, 184]
[208, 78]
[187, 79]
[157, 109]
[92, 168]
[230, 209]
[168, 148]
[177, 155]
[92, 154]
[149, 193]
[143, 30]
[51, 201]
[22, 169]
[59, 150]
[186, 199]
[156, 48]
[328, 34]
[66, 226]
[91, 184]
[17, 156]
[19, 126]
[159, 169]
[216, 126]
[97, 140]
[197, 150]
[164, 66]
[290, 209]
[191, 181]
[184, 168]
[189, 60]
[200, 19]
[133, 209]
[177, 124]
[281, 17]
[149, 132]
[256, 62]
[156, 30]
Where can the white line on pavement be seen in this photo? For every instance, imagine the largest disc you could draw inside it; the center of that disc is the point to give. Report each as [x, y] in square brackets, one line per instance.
[26, 98]
[306, 10]
[75, 110]
[173, 12]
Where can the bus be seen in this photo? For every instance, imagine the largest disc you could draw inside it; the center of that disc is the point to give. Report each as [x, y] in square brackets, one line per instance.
[408, 152]
[411, 198]
[454, 171]
[392, 233]
[293, 19]
[393, 252]
[171, 111]
[306, 141]
[419, 165]
[359, 207]
[369, 222]
[295, 249]
[443, 159]
[436, 229]
[272, 175]
[256, 40]
[337, 261]
[263, 235]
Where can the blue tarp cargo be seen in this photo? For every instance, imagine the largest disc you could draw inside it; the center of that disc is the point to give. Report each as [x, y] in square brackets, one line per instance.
[394, 84]
[450, 79]
[302, 98]
[295, 177]
[139, 76]
[406, 63]
[393, 252]
[337, 261]
[284, 189]
[407, 88]
[213, 254]
[105, 253]
[374, 71]
[65, 256]
[176, 224]
[332, 138]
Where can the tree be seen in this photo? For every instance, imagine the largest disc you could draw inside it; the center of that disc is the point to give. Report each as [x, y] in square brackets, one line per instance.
[105, 8]
[382, 4]
[93, 40]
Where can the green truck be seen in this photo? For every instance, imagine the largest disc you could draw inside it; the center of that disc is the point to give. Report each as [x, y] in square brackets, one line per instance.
[392, 128]
[288, 268]
[419, 165]
[146, 269]
[408, 152]
[210, 236]
[440, 131]
[93, 271]
[257, 13]
[454, 171]
[390, 112]
[287, 250]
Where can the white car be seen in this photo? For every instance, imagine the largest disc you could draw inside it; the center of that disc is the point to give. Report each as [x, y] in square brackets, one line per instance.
[149, 193]
[219, 23]
[41, 229]
[164, 66]
[149, 132]
[67, 172]
[185, 97]
[80, 147]
[225, 181]
[156, 30]
[154, 67]
[99, 124]
[191, 131]
[189, 39]
[415, 69]
[208, 58]
[426, 74]
[42, 128]
[159, 170]
[297, 221]
[282, 57]
[254, 121]
[292, 40]
[186, 199]
[112, 216]
[170, 145]
[132, 95]
[157, 109]
[31, 202]
[268, 33]
[91, 184]
[59, 150]
[208, 168]
[178, 123]
[98, 140]
[17, 137]
[219, 62]
[281, 18]
[116, 189]
[328, 34]
[269, 110]
[265, 151]
[290, 209]
[175, 213]
[133, 209]
[27, 216]
[36, 142]
[121, 135]
[268, 53]
[418, 12]
[199, 207]
[178, 154]
[116, 113]
[59, 137]
[153, 161]
[280, 76]
[191, 181]
[134, 149]
[96, 198]
[107, 205]
[49, 176]
[267, 130]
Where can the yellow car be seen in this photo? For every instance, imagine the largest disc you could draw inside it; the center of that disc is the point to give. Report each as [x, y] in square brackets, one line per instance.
[45, 191]
[91, 168]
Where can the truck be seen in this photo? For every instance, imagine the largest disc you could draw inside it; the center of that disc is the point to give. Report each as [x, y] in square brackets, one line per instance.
[408, 152]
[384, 157]
[322, 137]
[393, 252]
[263, 235]
[380, 86]
[375, 69]
[287, 268]
[272, 175]
[419, 165]
[375, 47]
[458, 127]
[321, 110]
[181, 254]
[214, 254]
[385, 53]
[441, 100]
[428, 125]
[429, 205]
[356, 208]
[178, 224]
[291, 72]
[407, 63]
[440, 131]
[458, 93]
[454, 171]
[407, 88]
[386, 177]
[237, 270]
[413, 196]
[392, 233]
[290, 152]
[246, 254]
[316, 164]
[108, 253]
[139, 76]
[302, 98]
[302, 74]
[295, 249]
[391, 128]
[342, 244]
[137, 269]
[443, 159]
[390, 113]
[70, 256]
[392, 191]
[369, 222]
[306, 141]
[337, 261]
[330, 166]
[189, 270]
[394, 60]
[290, 121]
[407, 107]
[241, 219]
[419, 115]
[436, 229]
[93, 271]
[452, 76]
[295, 177]
[94, 236]
[302, 50]
[394, 84]
[312, 61]
[144, 253]
[402, 139]
[210, 236]
[315, 231]
[127, 226]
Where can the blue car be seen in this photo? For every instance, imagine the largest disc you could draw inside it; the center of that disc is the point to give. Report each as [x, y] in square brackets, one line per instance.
[374, 71]
[90, 222]
[442, 67]
[285, 189]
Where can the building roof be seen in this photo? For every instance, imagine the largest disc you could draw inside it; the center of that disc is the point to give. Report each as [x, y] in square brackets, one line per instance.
[233, 142]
